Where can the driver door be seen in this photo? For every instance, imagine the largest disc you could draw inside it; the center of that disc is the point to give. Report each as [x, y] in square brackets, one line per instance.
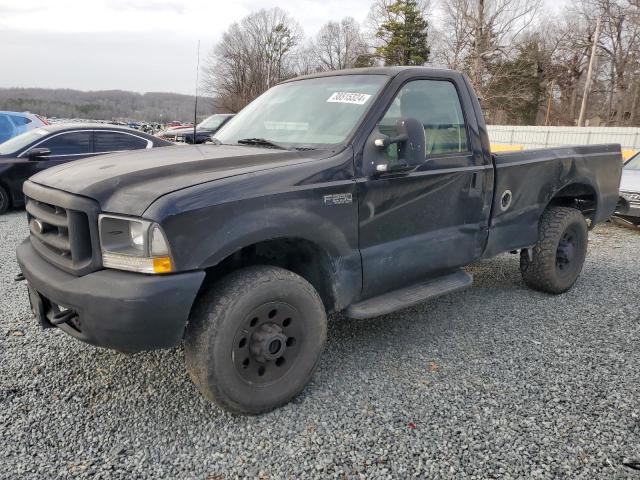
[427, 218]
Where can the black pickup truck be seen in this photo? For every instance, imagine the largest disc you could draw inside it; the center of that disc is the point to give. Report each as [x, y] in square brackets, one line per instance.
[360, 191]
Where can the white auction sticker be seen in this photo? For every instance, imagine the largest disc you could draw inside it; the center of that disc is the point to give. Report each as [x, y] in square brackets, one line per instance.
[349, 97]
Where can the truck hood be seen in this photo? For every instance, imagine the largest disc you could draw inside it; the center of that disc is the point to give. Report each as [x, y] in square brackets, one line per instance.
[128, 182]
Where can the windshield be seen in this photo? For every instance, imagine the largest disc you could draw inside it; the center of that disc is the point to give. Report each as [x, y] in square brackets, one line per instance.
[15, 144]
[307, 113]
[633, 163]
[212, 122]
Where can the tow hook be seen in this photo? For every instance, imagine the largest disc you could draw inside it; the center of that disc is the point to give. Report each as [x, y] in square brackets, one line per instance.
[19, 277]
[63, 317]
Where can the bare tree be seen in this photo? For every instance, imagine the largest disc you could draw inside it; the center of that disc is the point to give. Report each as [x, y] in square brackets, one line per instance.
[252, 56]
[339, 45]
[574, 37]
[620, 43]
[306, 59]
[482, 31]
[455, 37]
[493, 41]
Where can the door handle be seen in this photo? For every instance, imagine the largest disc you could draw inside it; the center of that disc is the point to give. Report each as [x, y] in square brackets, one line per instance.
[475, 185]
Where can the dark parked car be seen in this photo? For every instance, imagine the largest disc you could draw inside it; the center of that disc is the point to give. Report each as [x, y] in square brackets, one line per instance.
[45, 147]
[363, 191]
[204, 130]
[629, 205]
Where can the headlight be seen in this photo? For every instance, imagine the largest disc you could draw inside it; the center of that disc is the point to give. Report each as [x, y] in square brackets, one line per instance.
[133, 244]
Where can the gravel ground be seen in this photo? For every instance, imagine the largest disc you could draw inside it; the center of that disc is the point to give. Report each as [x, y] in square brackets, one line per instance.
[495, 381]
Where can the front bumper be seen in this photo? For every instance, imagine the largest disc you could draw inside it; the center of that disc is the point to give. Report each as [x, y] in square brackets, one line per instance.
[113, 309]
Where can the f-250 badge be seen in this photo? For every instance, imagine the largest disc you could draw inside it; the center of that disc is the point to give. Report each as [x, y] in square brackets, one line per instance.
[338, 199]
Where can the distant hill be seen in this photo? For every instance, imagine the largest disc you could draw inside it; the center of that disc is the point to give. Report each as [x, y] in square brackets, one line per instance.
[105, 104]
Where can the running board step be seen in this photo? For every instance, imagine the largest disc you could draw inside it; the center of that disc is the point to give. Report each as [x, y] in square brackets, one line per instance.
[409, 296]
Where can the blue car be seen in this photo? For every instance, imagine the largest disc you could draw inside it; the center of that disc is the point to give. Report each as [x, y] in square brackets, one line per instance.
[15, 123]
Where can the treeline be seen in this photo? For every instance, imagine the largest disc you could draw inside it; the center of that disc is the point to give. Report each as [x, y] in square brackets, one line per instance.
[528, 65]
[104, 105]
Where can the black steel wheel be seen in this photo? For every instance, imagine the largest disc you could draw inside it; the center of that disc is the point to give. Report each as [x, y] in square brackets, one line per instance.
[5, 201]
[255, 338]
[559, 254]
[567, 251]
[268, 343]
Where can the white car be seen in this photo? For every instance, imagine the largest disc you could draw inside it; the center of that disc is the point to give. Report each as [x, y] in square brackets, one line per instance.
[629, 204]
[15, 123]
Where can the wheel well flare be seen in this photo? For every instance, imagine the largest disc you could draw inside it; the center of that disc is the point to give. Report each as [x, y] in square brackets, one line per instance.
[301, 256]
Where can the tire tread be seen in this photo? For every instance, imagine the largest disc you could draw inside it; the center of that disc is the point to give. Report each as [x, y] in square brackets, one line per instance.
[540, 273]
[209, 313]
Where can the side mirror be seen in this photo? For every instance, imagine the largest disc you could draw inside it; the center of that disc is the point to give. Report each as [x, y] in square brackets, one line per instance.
[411, 142]
[39, 153]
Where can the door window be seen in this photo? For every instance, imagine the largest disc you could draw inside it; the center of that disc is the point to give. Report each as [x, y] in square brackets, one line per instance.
[436, 105]
[6, 128]
[114, 142]
[20, 121]
[73, 143]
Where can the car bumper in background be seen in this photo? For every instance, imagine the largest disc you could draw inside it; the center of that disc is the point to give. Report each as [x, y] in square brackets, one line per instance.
[629, 204]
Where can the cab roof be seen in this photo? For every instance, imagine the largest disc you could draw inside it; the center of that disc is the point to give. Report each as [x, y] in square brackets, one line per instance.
[386, 71]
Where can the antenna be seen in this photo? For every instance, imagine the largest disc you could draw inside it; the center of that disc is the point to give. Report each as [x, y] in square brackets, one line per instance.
[195, 109]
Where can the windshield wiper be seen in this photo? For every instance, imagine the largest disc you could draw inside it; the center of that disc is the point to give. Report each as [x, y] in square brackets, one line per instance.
[260, 142]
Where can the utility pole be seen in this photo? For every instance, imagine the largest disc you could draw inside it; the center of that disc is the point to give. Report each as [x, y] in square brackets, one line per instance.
[195, 107]
[587, 85]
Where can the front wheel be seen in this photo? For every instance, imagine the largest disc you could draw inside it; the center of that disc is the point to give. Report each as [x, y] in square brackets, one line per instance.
[559, 253]
[254, 339]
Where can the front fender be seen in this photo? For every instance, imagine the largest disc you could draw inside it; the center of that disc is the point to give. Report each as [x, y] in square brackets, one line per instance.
[313, 201]
[204, 238]
[271, 223]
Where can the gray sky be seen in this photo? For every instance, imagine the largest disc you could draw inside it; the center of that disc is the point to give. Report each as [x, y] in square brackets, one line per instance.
[140, 45]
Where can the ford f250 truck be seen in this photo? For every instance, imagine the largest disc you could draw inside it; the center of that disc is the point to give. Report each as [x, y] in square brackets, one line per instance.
[360, 191]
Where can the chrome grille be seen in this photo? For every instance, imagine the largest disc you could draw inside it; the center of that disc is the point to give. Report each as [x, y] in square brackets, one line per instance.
[63, 228]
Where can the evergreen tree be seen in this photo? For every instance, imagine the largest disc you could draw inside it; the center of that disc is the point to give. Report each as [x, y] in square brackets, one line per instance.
[404, 35]
[517, 85]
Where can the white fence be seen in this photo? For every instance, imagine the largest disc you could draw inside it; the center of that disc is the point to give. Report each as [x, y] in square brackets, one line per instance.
[540, 137]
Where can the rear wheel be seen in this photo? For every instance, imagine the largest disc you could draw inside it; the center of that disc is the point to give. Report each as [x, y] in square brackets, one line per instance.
[254, 339]
[5, 202]
[559, 253]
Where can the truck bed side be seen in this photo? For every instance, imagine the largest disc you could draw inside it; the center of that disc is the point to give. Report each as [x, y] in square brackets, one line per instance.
[534, 179]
